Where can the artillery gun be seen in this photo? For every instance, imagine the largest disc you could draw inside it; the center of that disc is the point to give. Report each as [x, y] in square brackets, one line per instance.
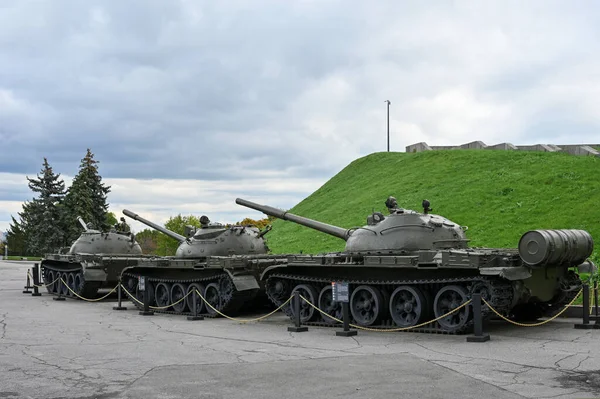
[406, 268]
[223, 263]
[95, 260]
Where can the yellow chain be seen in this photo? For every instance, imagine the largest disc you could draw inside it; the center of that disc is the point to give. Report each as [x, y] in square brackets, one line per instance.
[86, 299]
[243, 320]
[533, 324]
[41, 285]
[388, 329]
[208, 304]
[131, 296]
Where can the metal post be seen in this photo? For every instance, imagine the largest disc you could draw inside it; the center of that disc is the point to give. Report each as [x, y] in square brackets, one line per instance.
[585, 310]
[346, 318]
[28, 286]
[296, 306]
[479, 335]
[119, 307]
[594, 317]
[388, 124]
[195, 315]
[36, 280]
[146, 311]
[59, 297]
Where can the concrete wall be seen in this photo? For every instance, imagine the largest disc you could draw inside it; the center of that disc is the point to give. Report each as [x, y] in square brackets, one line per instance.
[575, 149]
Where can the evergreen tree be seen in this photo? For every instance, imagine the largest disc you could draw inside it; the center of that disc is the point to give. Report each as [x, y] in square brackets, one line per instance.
[86, 198]
[40, 219]
[16, 238]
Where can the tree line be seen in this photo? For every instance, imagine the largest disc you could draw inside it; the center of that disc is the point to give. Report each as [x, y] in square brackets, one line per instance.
[48, 221]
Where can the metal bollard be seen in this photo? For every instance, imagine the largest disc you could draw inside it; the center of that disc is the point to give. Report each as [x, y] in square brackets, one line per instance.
[195, 315]
[296, 304]
[146, 311]
[36, 280]
[346, 332]
[119, 307]
[479, 335]
[59, 297]
[595, 317]
[28, 286]
[585, 310]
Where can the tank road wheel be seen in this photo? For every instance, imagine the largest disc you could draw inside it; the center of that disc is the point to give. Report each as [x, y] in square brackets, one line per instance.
[49, 281]
[307, 312]
[79, 283]
[327, 305]
[162, 294]
[71, 284]
[63, 287]
[227, 289]
[366, 305]
[178, 291]
[408, 306]
[213, 297]
[199, 301]
[449, 298]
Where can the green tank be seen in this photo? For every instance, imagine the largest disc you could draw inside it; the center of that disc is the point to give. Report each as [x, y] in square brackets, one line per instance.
[222, 262]
[95, 260]
[408, 267]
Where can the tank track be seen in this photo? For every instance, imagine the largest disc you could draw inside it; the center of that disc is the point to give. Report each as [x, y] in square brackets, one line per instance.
[229, 303]
[86, 289]
[499, 294]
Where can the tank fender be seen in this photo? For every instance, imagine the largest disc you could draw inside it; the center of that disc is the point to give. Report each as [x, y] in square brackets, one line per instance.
[243, 282]
[509, 273]
[265, 274]
[93, 274]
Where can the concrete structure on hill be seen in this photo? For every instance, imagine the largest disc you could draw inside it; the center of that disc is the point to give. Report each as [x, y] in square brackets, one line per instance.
[575, 149]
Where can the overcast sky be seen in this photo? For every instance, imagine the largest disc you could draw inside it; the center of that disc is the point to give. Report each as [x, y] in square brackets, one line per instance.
[190, 104]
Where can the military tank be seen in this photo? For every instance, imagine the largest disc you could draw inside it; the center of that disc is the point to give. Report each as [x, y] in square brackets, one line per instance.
[224, 263]
[408, 267]
[95, 260]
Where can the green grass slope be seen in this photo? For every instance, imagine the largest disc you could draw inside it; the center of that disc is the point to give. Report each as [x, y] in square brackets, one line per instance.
[499, 195]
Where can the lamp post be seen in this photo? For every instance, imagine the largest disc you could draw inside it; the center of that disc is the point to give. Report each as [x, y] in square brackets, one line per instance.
[388, 124]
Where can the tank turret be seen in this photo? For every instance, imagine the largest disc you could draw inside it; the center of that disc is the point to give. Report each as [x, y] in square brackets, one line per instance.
[212, 239]
[93, 261]
[93, 241]
[402, 229]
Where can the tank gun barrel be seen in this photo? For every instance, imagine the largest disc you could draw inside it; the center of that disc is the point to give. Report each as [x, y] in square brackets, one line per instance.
[170, 233]
[281, 214]
[79, 218]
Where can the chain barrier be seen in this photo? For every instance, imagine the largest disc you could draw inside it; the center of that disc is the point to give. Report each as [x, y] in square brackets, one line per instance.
[387, 329]
[532, 324]
[243, 320]
[86, 299]
[209, 305]
[41, 285]
[131, 296]
[325, 314]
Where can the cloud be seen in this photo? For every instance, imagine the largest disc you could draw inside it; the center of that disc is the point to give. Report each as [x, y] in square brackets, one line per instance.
[264, 93]
[159, 199]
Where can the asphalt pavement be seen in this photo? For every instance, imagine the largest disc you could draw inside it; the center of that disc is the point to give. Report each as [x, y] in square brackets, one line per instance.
[74, 349]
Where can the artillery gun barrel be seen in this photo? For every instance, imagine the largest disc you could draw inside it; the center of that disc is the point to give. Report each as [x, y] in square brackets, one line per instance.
[82, 223]
[170, 233]
[281, 214]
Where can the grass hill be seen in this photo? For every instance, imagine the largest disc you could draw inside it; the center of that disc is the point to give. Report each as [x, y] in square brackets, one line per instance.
[499, 195]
